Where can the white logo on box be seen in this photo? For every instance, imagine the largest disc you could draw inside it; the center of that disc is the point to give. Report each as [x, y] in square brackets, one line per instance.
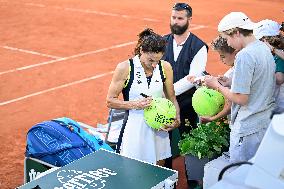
[33, 174]
[71, 179]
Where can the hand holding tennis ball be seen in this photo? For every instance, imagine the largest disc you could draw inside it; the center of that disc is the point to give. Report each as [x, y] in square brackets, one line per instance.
[160, 113]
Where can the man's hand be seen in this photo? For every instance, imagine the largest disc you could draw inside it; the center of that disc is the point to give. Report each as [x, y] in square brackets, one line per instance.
[196, 80]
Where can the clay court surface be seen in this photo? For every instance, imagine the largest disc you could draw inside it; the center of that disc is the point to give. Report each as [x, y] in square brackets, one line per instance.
[57, 58]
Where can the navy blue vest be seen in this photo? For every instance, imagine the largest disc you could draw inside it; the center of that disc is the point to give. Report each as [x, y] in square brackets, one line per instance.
[181, 67]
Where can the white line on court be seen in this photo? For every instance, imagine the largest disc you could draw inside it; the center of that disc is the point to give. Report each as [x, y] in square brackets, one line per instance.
[67, 58]
[79, 55]
[87, 11]
[74, 82]
[55, 88]
[108, 14]
[30, 52]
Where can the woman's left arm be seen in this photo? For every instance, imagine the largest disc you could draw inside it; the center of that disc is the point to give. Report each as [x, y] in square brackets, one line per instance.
[170, 93]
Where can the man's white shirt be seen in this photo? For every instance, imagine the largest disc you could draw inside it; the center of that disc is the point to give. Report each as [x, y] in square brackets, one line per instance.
[197, 66]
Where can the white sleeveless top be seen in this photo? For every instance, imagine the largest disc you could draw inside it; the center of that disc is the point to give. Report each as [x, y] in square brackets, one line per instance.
[139, 140]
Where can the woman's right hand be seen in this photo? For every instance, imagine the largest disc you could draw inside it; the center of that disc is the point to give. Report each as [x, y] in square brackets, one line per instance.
[142, 103]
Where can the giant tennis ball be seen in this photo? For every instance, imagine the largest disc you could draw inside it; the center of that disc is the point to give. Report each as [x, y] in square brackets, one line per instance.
[207, 102]
[162, 111]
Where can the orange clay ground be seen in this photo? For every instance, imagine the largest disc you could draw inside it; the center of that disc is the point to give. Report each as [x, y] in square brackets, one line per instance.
[57, 59]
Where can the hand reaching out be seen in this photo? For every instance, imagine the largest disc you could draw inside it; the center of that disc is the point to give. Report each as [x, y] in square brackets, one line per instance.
[205, 119]
[196, 80]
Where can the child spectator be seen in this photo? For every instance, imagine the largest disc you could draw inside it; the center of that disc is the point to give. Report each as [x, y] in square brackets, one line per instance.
[268, 31]
[227, 56]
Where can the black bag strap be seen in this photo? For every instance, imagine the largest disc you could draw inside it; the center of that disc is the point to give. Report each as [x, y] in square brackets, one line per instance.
[232, 165]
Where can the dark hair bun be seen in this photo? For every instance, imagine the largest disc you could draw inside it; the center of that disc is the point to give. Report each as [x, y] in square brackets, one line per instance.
[145, 32]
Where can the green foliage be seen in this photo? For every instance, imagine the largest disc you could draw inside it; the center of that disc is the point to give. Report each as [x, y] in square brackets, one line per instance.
[207, 140]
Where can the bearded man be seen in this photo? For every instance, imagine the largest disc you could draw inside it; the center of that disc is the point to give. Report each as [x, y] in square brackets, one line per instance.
[187, 55]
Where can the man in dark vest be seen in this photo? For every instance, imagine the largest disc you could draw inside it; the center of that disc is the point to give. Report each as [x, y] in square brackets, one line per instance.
[188, 56]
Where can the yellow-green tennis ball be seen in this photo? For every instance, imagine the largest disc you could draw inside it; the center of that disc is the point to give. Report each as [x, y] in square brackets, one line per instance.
[207, 102]
[162, 111]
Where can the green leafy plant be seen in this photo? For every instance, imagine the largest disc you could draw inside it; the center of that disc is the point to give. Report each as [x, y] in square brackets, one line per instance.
[207, 140]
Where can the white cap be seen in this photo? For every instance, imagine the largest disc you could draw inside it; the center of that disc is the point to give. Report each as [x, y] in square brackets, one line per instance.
[266, 28]
[236, 20]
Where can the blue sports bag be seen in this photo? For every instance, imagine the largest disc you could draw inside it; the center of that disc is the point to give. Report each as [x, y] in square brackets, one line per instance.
[61, 141]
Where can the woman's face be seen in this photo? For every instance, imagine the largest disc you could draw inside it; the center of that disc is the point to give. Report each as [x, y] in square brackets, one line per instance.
[150, 59]
[227, 58]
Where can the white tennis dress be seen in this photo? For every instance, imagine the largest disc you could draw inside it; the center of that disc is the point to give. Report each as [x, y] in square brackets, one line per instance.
[139, 140]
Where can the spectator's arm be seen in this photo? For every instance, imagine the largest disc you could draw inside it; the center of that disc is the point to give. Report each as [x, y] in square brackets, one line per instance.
[197, 66]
